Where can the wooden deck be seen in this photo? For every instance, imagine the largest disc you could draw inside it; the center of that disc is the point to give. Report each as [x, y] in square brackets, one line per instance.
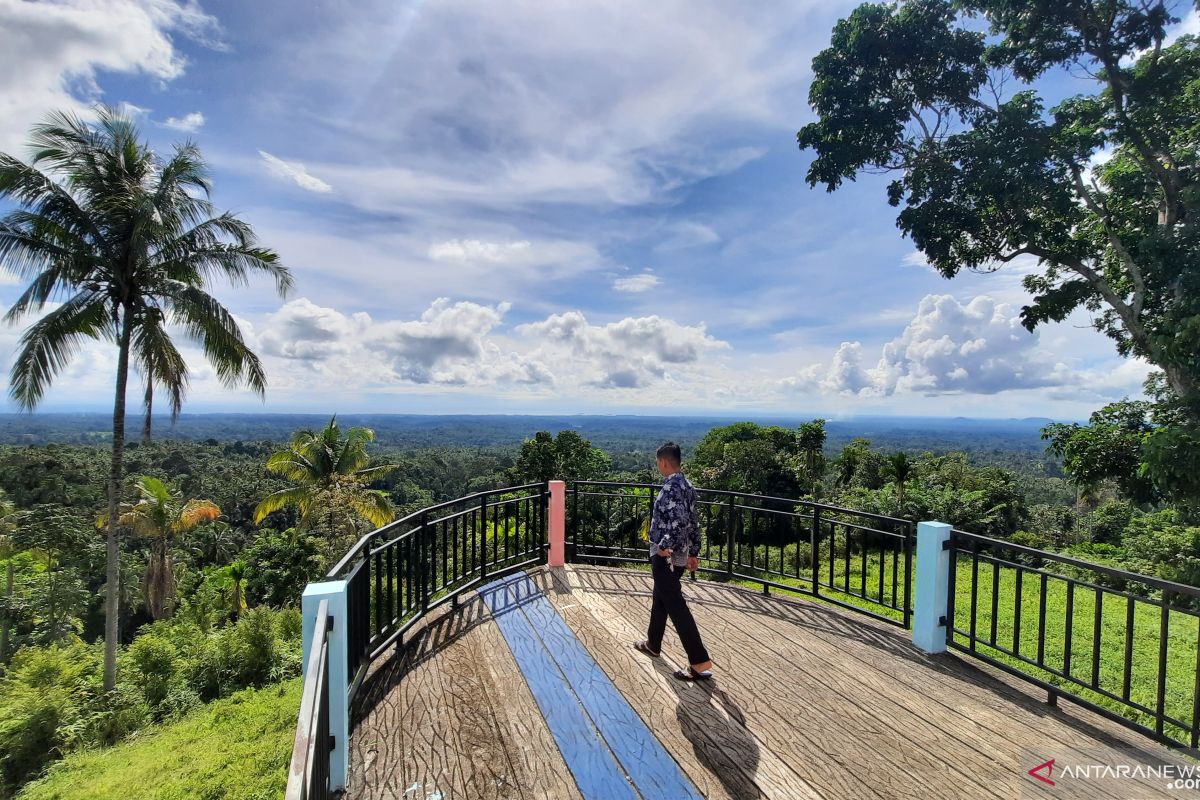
[809, 702]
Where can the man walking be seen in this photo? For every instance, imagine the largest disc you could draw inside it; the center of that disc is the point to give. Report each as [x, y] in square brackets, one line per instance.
[674, 545]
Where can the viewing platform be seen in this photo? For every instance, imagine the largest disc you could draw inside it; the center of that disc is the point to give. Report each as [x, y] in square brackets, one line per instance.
[471, 668]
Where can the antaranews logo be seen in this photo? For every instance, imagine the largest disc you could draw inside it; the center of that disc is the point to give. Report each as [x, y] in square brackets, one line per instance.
[1137, 779]
[1044, 772]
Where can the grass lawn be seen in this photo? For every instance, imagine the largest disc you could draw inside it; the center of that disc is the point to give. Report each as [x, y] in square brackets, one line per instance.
[232, 749]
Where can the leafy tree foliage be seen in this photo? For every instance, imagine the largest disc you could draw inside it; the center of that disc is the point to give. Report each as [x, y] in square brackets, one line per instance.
[132, 242]
[748, 457]
[986, 175]
[160, 516]
[567, 456]
[1108, 448]
[331, 474]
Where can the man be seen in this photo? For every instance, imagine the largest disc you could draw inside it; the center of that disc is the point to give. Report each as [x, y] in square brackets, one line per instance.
[674, 545]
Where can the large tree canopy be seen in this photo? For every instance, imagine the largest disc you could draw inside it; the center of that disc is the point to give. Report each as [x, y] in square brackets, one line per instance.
[1101, 189]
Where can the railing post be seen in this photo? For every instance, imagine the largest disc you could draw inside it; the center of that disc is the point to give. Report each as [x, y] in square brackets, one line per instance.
[730, 535]
[932, 589]
[483, 539]
[424, 570]
[558, 524]
[339, 678]
[815, 555]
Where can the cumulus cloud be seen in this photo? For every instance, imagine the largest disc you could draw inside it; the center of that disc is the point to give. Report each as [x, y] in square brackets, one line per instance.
[295, 172]
[188, 123]
[947, 348]
[51, 53]
[449, 344]
[642, 282]
[630, 353]
[476, 250]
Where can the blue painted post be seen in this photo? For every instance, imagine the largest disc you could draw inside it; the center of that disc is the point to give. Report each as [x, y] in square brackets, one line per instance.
[339, 681]
[933, 577]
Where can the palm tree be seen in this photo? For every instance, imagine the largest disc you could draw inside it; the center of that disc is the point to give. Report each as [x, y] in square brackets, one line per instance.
[232, 578]
[331, 473]
[161, 515]
[131, 243]
[900, 469]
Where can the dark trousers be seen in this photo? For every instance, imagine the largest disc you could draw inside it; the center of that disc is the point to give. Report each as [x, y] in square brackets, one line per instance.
[669, 602]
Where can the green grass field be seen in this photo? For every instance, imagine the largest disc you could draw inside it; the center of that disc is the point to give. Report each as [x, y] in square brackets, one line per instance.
[232, 749]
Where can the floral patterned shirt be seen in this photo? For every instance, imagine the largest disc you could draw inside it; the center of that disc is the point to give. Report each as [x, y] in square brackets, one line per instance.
[674, 525]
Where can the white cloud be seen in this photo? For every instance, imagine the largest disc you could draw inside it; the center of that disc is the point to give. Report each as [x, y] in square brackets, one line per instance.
[476, 250]
[627, 354]
[686, 234]
[51, 53]
[642, 282]
[449, 344]
[947, 348]
[295, 172]
[609, 103]
[188, 123]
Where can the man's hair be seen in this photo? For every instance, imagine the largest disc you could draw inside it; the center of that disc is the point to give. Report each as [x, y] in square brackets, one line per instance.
[671, 452]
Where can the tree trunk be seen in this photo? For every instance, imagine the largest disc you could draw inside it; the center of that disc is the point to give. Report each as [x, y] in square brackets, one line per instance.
[112, 600]
[6, 622]
[147, 423]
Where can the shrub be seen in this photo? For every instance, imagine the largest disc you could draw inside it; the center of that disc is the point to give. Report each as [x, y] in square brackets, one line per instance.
[44, 693]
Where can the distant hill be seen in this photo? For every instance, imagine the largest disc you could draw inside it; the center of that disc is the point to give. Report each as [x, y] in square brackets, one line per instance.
[612, 432]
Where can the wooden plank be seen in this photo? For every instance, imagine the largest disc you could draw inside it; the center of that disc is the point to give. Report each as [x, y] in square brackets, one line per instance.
[993, 716]
[722, 739]
[828, 713]
[538, 763]
[705, 752]
[597, 773]
[653, 772]
[1000, 736]
[437, 720]
[820, 645]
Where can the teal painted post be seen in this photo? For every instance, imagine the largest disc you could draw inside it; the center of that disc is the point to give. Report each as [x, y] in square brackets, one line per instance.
[339, 679]
[933, 578]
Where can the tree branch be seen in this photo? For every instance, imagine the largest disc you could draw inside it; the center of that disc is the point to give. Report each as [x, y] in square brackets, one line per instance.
[1135, 272]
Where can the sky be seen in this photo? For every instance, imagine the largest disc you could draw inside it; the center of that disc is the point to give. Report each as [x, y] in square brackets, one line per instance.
[542, 207]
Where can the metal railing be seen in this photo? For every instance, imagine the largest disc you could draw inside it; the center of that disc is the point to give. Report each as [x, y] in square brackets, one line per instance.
[1124, 645]
[308, 775]
[850, 558]
[399, 572]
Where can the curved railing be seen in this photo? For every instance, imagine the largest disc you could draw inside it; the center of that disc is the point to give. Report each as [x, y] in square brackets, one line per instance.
[1122, 644]
[396, 574]
[855, 559]
[862, 561]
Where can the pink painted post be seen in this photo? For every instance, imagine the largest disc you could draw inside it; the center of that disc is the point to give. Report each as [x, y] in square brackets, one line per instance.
[558, 524]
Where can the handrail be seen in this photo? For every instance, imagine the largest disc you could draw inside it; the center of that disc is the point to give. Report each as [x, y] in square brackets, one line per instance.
[308, 774]
[1113, 572]
[366, 538]
[734, 493]
[731, 529]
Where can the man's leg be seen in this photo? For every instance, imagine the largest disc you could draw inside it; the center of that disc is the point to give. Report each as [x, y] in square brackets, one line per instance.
[681, 615]
[661, 571]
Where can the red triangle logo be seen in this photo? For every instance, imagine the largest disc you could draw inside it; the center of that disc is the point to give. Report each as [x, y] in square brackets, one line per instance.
[1048, 767]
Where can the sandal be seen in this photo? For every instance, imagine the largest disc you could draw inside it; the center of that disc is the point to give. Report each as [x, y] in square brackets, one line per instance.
[644, 647]
[691, 675]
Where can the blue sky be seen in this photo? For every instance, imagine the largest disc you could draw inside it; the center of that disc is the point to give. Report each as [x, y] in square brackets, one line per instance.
[543, 207]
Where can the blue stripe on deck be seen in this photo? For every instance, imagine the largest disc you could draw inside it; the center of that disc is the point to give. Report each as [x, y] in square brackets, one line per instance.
[604, 742]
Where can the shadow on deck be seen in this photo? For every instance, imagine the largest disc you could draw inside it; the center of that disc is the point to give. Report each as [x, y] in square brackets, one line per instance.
[809, 702]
